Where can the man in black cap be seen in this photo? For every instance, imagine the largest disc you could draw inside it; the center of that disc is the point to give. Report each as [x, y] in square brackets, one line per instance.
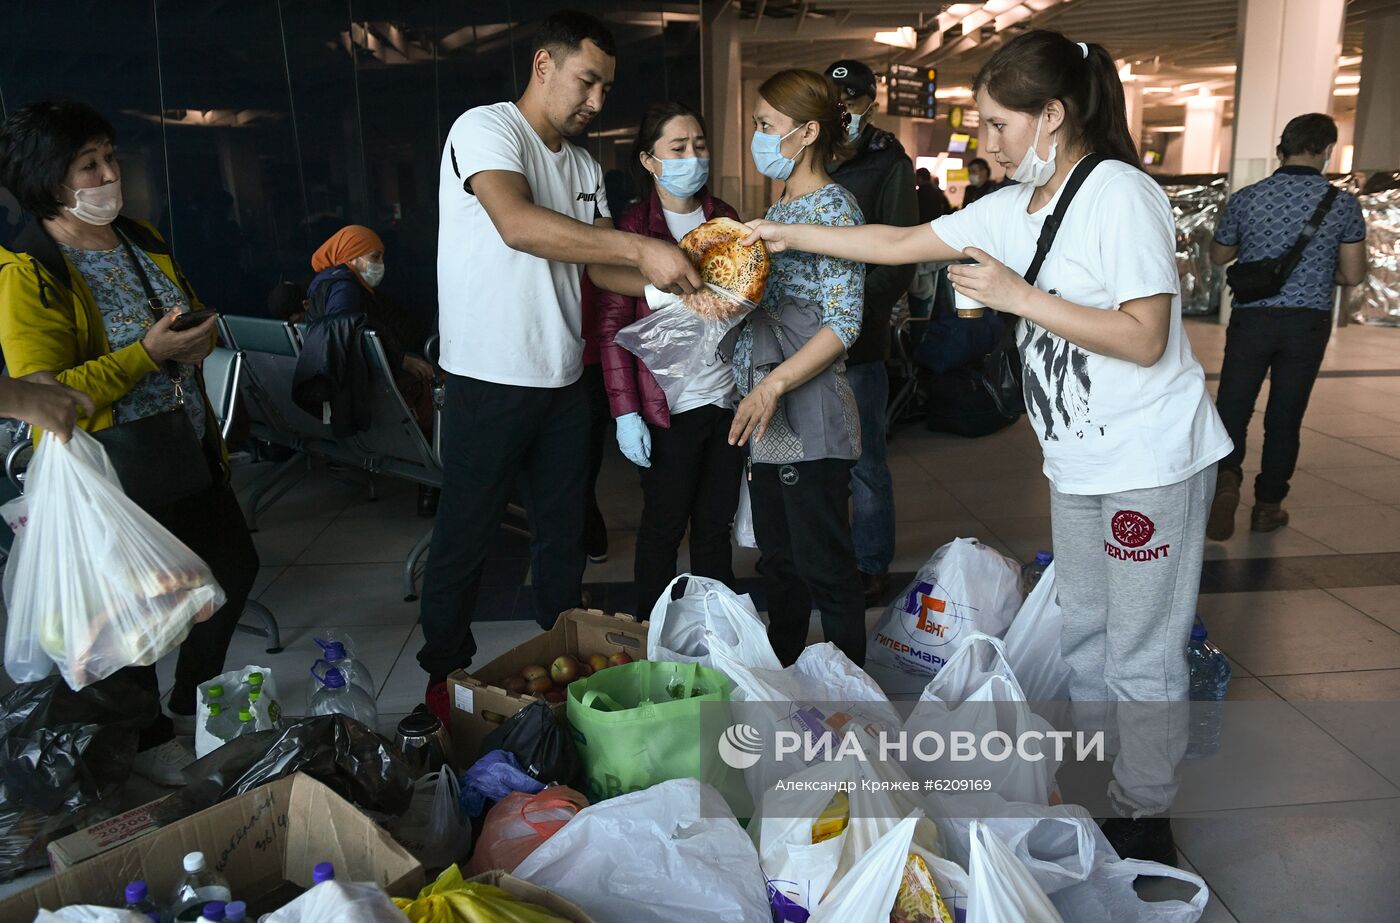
[881, 177]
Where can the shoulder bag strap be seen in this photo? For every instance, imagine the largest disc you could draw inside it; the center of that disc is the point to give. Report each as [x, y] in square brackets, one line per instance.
[1051, 227]
[157, 309]
[1290, 259]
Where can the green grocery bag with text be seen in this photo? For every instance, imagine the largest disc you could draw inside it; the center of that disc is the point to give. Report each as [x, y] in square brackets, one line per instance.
[646, 722]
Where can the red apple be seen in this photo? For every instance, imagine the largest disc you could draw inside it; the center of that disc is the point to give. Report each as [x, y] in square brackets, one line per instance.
[554, 696]
[538, 685]
[598, 662]
[533, 671]
[584, 670]
[618, 659]
[514, 684]
[564, 670]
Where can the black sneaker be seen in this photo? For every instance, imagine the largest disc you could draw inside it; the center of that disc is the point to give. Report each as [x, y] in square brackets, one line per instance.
[1149, 839]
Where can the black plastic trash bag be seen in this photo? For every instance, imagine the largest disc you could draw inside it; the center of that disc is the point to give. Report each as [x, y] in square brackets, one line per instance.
[540, 743]
[357, 763]
[64, 758]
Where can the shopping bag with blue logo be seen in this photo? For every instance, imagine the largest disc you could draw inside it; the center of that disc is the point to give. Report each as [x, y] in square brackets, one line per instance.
[642, 723]
[965, 587]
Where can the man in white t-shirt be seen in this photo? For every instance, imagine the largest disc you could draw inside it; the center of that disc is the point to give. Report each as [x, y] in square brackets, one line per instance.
[522, 211]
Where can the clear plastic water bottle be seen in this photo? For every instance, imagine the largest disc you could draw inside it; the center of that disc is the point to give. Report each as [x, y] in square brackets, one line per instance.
[323, 871]
[1210, 675]
[236, 912]
[1032, 572]
[223, 717]
[200, 886]
[213, 912]
[337, 654]
[138, 901]
[332, 695]
[247, 724]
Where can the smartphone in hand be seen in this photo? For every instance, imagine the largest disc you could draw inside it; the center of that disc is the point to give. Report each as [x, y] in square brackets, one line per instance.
[191, 319]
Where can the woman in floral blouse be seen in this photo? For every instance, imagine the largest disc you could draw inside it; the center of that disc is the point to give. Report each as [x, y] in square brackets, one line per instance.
[798, 415]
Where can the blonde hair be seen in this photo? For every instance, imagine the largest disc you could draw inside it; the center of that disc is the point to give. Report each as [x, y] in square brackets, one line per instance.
[806, 96]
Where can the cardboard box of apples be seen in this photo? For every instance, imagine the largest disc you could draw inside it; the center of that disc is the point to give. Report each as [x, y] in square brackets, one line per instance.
[581, 642]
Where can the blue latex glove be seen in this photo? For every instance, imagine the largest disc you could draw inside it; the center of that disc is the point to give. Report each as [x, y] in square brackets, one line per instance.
[634, 439]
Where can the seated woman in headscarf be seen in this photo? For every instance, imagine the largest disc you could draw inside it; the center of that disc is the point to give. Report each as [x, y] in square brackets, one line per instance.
[349, 267]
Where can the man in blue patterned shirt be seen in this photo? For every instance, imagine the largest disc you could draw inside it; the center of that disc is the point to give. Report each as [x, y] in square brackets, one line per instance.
[1284, 335]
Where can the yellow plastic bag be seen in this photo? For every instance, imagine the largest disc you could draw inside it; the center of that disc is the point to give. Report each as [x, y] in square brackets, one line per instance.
[451, 899]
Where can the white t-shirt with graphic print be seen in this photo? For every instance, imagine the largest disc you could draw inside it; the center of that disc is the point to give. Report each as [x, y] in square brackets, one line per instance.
[1106, 425]
[506, 316]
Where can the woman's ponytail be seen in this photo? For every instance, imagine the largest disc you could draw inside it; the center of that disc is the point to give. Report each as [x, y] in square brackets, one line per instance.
[1104, 129]
[1038, 66]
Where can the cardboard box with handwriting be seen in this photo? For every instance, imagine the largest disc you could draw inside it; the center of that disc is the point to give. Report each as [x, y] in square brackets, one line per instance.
[265, 842]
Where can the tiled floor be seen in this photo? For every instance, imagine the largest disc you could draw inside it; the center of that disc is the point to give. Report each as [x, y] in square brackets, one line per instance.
[1310, 616]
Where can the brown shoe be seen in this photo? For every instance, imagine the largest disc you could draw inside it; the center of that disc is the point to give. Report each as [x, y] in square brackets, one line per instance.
[1221, 524]
[1268, 517]
[876, 588]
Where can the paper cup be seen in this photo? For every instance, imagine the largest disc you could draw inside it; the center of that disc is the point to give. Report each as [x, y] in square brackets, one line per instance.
[966, 305]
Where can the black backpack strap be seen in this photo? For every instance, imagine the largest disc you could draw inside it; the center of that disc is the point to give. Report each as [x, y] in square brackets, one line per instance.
[1290, 259]
[1051, 227]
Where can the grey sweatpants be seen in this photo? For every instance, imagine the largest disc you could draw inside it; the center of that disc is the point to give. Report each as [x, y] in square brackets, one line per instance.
[1127, 573]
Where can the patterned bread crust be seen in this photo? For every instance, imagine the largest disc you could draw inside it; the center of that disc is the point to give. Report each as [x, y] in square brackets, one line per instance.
[715, 250]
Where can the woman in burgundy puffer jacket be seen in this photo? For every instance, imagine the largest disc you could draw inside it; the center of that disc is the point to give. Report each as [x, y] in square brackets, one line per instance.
[690, 472]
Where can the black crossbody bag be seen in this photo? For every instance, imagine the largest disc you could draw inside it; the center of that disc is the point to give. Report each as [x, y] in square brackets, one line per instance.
[1001, 370]
[159, 459]
[1260, 279]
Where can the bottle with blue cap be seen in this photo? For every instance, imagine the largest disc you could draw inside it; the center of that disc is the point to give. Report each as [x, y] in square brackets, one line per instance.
[1032, 572]
[336, 653]
[1210, 675]
[213, 912]
[333, 695]
[138, 901]
[236, 912]
[322, 872]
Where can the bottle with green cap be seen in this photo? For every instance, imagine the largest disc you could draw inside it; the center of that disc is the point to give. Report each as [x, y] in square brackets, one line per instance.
[247, 724]
[223, 722]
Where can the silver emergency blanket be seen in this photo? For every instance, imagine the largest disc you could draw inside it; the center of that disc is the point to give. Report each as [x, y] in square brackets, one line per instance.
[1377, 299]
[1197, 208]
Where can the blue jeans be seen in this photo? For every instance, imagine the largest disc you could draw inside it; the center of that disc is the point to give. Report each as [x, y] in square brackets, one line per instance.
[872, 491]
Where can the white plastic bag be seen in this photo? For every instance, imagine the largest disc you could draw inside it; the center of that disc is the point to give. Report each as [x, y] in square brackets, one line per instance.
[1059, 844]
[434, 828]
[89, 913]
[262, 710]
[670, 852]
[822, 694]
[1003, 890]
[1033, 644]
[976, 692]
[743, 517]
[675, 343]
[965, 587]
[708, 615]
[94, 583]
[866, 894]
[1108, 896]
[343, 902]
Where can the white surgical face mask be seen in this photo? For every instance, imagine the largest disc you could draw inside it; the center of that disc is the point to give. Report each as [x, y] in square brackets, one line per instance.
[98, 204]
[373, 274]
[1033, 169]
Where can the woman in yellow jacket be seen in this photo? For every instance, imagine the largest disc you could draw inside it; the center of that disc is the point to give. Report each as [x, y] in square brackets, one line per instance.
[73, 304]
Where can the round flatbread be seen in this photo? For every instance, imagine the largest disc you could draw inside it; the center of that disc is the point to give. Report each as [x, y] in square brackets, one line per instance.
[715, 249]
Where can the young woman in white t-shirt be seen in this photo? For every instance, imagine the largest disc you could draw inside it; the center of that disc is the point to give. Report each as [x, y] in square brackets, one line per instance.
[1115, 394]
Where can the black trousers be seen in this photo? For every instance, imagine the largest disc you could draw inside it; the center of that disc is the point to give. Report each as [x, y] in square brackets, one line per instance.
[802, 520]
[496, 437]
[693, 480]
[213, 527]
[1287, 344]
[595, 530]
